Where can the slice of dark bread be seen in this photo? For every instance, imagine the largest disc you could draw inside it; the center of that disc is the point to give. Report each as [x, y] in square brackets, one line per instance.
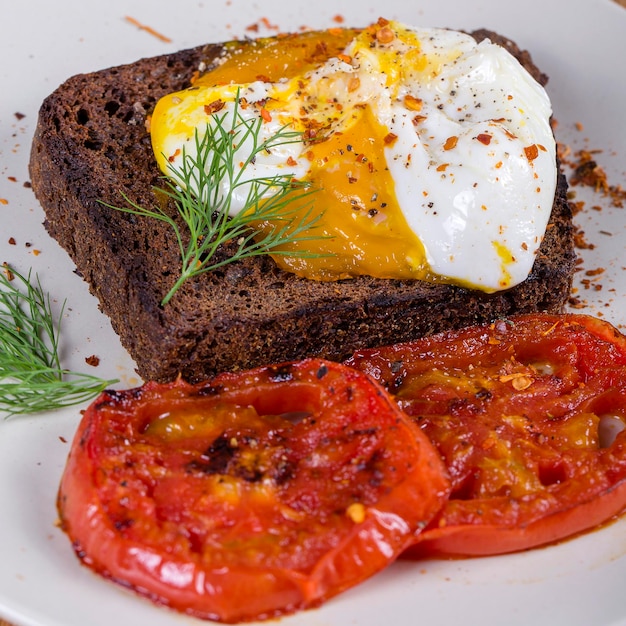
[91, 145]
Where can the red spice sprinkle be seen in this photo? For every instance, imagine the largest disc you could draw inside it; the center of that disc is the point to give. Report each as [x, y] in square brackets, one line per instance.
[310, 134]
[4, 201]
[265, 114]
[484, 138]
[450, 143]
[147, 29]
[412, 103]
[214, 107]
[11, 241]
[384, 34]
[265, 21]
[596, 272]
[531, 152]
[93, 360]
[291, 162]
[390, 138]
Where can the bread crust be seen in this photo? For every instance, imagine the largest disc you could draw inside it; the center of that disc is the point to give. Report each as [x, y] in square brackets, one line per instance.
[91, 145]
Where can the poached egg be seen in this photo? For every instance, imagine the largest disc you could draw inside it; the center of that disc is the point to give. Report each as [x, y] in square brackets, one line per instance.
[432, 155]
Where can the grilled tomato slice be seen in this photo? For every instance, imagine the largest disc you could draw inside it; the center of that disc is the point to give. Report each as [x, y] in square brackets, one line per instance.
[528, 414]
[251, 495]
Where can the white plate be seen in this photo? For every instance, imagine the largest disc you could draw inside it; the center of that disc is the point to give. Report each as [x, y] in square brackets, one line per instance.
[580, 44]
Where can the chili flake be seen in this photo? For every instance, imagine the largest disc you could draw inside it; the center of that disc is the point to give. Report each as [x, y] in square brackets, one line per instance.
[214, 107]
[147, 29]
[412, 103]
[531, 152]
[450, 143]
[390, 138]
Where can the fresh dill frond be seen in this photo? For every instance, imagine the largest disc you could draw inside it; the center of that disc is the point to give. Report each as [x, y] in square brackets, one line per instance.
[203, 188]
[31, 376]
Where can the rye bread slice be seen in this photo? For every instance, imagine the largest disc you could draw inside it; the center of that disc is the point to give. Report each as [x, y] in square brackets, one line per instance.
[91, 145]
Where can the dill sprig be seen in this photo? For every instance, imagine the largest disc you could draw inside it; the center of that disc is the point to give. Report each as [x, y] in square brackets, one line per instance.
[203, 188]
[31, 376]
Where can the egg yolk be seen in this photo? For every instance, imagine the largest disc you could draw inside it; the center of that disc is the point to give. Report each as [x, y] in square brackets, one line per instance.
[361, 229]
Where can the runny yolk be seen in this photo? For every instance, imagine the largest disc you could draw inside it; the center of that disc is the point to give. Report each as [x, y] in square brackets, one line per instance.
[361, 229]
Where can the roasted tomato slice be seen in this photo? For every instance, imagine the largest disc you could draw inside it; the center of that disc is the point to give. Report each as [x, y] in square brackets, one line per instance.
[528, 415]
[252, 495]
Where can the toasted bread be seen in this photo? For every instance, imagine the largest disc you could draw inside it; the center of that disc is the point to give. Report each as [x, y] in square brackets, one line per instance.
[91, 146]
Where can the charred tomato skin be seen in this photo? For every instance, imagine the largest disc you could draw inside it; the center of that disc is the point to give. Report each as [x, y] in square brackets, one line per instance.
[516, 409]
[251, 495]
